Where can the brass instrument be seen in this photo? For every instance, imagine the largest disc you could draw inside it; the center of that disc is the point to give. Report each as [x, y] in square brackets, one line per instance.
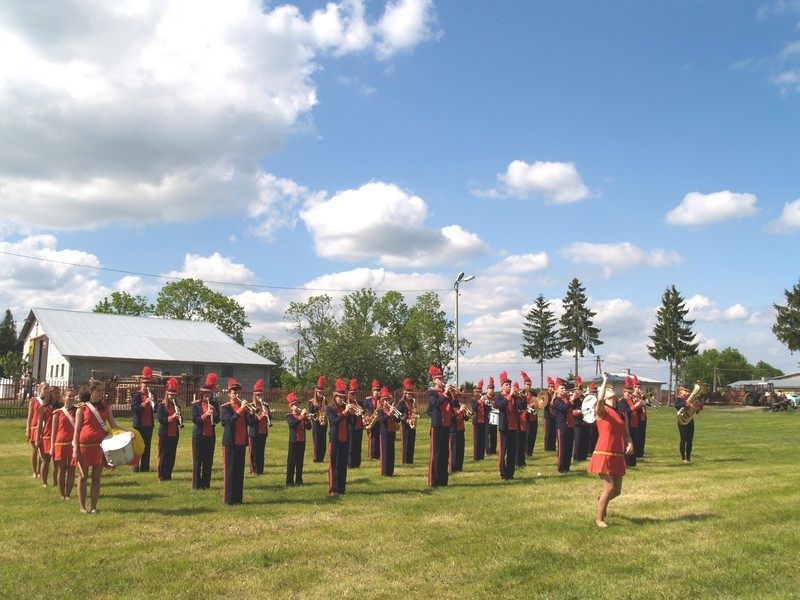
[354, 409]
[413, 417]
[179, 417]
[393, 409]
[468, 412]
[320, 416]
[543, 398]
[451, 390]
[687, 413]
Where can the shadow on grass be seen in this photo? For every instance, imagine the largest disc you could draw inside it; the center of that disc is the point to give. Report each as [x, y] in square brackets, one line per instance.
[137, 497]
[689, 518]
[119, 483]
[174, 512]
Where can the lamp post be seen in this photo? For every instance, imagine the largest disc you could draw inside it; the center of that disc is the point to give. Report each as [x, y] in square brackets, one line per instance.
[459, 280]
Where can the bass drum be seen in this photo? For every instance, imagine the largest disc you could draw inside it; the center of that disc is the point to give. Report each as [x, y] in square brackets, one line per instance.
[588, 408]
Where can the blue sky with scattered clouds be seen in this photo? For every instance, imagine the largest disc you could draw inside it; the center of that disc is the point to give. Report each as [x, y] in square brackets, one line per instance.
[285, 150]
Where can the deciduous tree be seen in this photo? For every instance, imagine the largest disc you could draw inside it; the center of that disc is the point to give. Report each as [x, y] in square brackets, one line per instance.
[123, 303]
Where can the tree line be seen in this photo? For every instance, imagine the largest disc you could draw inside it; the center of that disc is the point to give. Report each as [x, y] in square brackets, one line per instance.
[370, 337]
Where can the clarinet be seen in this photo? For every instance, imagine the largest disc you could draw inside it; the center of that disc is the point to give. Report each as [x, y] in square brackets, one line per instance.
[178, 412]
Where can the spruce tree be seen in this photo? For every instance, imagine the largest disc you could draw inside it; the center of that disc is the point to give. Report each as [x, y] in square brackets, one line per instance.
[577, 331]
[541, 338]
[787, 319]
[673, 338]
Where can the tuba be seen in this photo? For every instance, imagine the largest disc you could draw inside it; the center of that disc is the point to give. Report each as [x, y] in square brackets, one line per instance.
[687, 413]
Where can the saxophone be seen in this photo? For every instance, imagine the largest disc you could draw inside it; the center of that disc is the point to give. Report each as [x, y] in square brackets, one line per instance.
[687, 413]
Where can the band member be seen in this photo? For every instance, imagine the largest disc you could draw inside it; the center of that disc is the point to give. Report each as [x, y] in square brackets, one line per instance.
[638, 441]
[508, 428]
[388, 420]
[355, 426]
[613, 444]
[440, 411]
[548, 414]
[522, 434]
[580, 445]
[63, 428]
[686, 431]
[169, 422]
[480, 417]
[372, 404]
[92, 422]
[408, 434]
[533, 414]
[259, 420]
[44, 431]
[457, 427]
[299, 422]
[205, 416]
[494, 418]
[234, 442]
[338, 450]
[627, 406]
[593, 426]
[319, 425]
[565, 426]
[143, 409]
[32, 427]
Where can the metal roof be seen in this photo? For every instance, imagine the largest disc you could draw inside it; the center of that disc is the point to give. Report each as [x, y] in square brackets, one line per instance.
[98, 335]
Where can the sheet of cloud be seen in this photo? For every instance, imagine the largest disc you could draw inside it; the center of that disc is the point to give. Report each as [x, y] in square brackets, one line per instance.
[789, 221]
[702, 209]
[618, 257]
[214, 268]
[176, 119]
[38, 274]
[381, 222]
[520, 264]
[558, 182]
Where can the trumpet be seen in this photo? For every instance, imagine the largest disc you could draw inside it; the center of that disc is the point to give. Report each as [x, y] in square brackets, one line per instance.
[467, 411]
[354, 409]
[451, 390]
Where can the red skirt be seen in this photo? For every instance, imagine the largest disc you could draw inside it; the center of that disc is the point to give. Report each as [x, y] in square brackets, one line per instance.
[607, 463]
[92, 455]
[63, 451]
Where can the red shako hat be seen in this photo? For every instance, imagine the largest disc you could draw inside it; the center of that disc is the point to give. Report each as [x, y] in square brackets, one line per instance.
[503, 378]
[339, 387]
[479, 385]
[407, 385]
[320, 383]
[291, 398]
[233, 384]
[211, 383]
[525, 378]
[258, 388]
[434, 372]
[490, 385]
[385, 393]
[353, 386]
[376, 385]
[172, 386]
[147, 375]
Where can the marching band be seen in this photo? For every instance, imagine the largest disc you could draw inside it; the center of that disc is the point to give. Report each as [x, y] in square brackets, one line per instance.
[71, 433]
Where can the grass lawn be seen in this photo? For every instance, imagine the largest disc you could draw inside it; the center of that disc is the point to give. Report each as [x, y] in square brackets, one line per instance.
[726, 526]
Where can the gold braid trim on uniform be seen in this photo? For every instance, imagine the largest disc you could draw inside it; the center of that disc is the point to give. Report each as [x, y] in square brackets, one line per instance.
[604, 453]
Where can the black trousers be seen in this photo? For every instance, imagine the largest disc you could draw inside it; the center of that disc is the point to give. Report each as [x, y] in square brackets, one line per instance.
[687, 437]
[478, 441]
[491, 439]
[294, 463]
[533, 430]
[408, 439]
[319, 436]
[566, 437]
[202, 461]
[387, 453]
[144, 461]
[507, 454]
[642, 437]
[337, 468]
[456, 451]
[233, 473]
[440, 456]
[354, 448]
[258, 446]
[549, 433]
[167, 449]
[630, 459]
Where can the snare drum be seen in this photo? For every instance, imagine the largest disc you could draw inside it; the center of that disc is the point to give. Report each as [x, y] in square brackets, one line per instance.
[494, 417]
[118, 448]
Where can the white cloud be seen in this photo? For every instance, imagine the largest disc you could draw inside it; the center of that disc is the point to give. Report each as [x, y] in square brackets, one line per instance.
[558, 182]
[175, 120]
[214, 268]
[789, 221]
[702, 308]
[524, 263]
[618, 257]
[737, 312]
[702, 209]
[382, 222]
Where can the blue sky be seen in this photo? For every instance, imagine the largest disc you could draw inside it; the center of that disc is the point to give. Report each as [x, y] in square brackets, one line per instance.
[310, 148]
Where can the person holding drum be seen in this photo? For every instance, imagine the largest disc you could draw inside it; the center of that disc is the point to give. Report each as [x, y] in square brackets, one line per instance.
[93, 421]
[169, 421]
[63, 432]
[613, 444]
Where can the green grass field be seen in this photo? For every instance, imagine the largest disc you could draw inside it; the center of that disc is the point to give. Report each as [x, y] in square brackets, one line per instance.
[726, 526]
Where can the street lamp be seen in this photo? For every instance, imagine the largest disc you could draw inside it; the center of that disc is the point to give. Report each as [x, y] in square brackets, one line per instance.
[459, 280]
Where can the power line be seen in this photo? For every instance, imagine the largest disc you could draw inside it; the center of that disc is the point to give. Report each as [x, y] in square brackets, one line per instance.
[222, 283]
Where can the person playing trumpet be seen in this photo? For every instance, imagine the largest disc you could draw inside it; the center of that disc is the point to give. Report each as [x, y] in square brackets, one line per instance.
[508, 428]
[355, 426]
[440, 411]
[480, 416]
[522, 433]
[169, 420]
[319, 426]
[629, 407]
[387, 421]
[491, 428]
[205, 416]
[409, 417]
[373, 404]
[457, 434]
[259, 420]
[338, 414]
[234, 442]
[299, 422]
[532, 414]
[613, 444]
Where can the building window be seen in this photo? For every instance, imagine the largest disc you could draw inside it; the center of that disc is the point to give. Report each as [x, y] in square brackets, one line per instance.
[198, 369]
[62, 370]
[227, 371]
